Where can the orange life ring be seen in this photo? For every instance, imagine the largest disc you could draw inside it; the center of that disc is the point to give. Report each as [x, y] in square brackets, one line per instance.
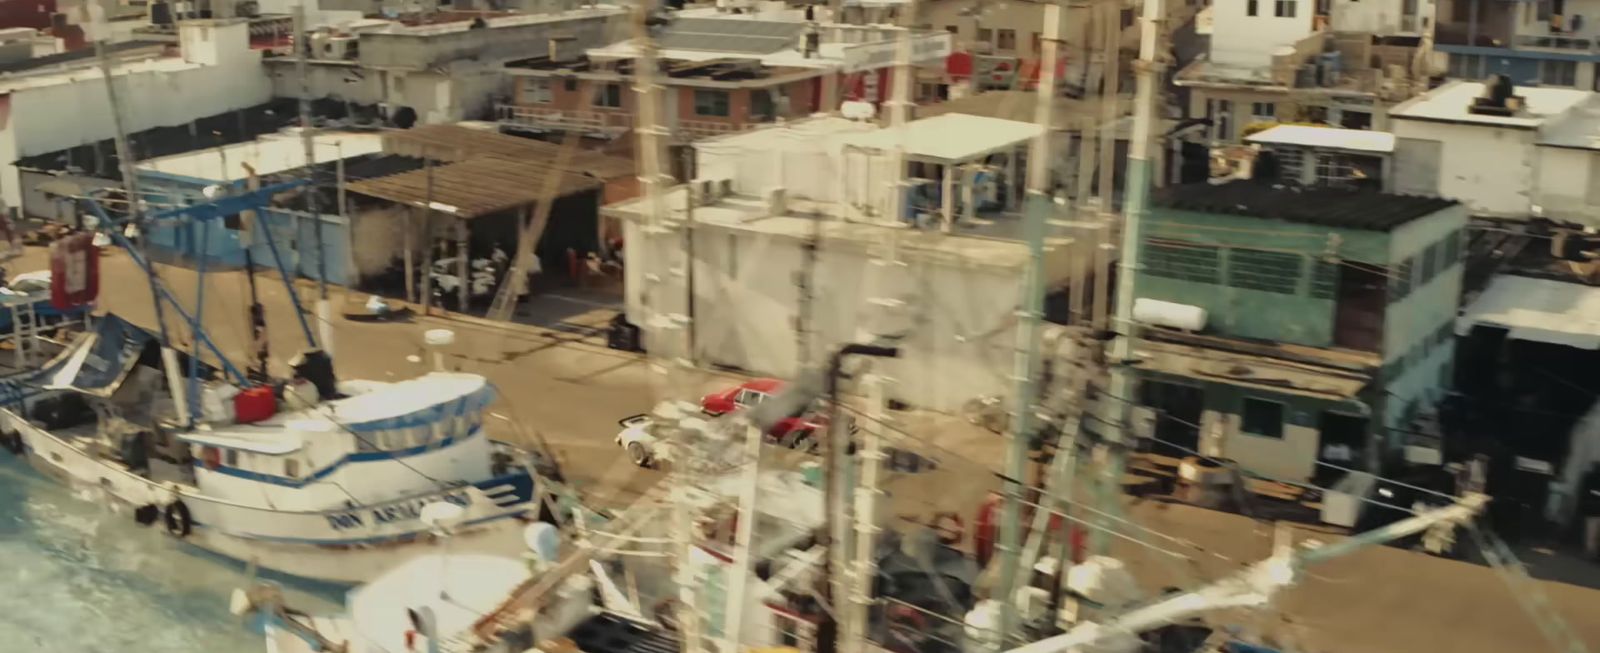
[950, 528]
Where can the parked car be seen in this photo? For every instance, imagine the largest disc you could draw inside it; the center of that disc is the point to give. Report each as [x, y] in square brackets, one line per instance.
[795, 431]
[635, 437]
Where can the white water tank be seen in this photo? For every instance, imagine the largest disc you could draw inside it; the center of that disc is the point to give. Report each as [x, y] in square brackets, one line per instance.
[1155, 312]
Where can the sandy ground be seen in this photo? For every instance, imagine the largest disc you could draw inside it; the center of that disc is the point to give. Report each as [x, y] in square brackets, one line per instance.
[560, 385]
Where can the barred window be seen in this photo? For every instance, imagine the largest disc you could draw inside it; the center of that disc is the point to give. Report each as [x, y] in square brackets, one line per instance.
[1400, 281]
[1451, 245]
[1269, 271]
[1176, 259]
[1430, 264]
[1325, 279]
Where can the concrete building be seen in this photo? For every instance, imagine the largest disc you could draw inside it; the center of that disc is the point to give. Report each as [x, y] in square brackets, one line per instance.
[1536, 154]
[1326, 325]
[721, 73]
[1275, 61]
[446, 68]
[948, 299]
[59, 106]
[1544, 43]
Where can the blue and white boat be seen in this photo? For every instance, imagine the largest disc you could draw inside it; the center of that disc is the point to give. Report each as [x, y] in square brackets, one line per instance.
[329, 487]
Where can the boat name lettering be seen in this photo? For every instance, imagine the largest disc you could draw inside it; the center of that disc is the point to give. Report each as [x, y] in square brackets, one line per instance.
[399, 512]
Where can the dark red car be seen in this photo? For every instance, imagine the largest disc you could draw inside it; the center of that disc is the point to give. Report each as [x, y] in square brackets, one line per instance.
[793, 431]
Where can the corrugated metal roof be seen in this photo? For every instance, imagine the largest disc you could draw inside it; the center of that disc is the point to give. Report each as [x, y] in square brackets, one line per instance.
[472, 188]
[1332, 207]
[1537, 310]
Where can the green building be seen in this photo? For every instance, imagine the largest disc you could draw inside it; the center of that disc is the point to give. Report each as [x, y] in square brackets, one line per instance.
[1328, 325]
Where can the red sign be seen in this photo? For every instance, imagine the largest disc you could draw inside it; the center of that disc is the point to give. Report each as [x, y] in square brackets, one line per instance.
[74, 271]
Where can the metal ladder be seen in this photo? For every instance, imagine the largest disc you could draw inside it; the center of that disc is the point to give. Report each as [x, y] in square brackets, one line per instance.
[24, 330]
[1526, 591]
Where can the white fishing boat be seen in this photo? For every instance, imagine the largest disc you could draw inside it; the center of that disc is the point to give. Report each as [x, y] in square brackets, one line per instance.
[326, 481]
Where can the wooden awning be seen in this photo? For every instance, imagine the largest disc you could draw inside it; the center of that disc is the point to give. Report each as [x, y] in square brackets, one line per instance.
[473, 188]
[458, 143]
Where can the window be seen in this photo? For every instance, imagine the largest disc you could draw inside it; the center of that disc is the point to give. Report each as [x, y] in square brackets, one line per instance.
[762, 108]
[609, 96]
[1430, 264]
[1174, 259]
[1222, 114]
[1451, 248]
[230, 457]
[1277, 272]
[1261, 418]
[952, 29]
[1333, 169]
[1325, 279]
[1284, 8]
[1466, 66]
[1250, 8]
[1264, 111]
[535, 91]
[1006, 39]
[1558, 73]
[291, 468]
[571, 84]
[1038, 43]
[1400, 281]
[985, 35]
[711, 103]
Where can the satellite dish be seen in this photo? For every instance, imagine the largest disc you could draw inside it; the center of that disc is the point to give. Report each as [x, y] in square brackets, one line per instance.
[543, 539]
[442, 515]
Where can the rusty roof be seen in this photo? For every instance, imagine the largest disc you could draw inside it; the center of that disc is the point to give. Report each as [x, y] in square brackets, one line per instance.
[474, 187]
[458, 143]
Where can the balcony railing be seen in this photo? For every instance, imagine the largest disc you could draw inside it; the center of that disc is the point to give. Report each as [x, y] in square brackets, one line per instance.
[608, 123]
[1572, 43]
[552, 119]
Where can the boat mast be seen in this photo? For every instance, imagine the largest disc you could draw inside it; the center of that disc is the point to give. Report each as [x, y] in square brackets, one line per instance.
[302, 47]
[130, 184]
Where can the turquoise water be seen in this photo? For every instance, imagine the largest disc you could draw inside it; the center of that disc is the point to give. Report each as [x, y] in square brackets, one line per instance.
[77, 578]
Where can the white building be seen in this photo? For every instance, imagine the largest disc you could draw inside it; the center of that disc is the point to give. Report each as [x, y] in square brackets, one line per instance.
[1536, 160]
[62, 107]
[949, 300]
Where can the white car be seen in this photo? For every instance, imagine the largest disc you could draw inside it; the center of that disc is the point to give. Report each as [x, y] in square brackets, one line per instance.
[635, 437]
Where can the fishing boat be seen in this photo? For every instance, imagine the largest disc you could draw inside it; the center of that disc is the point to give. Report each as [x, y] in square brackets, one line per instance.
[323, 480]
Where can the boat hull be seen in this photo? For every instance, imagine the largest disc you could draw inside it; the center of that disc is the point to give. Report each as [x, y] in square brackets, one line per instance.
[347, 545]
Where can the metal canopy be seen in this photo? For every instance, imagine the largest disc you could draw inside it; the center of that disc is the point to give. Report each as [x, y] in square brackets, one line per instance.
[457, 143]
[473, 188]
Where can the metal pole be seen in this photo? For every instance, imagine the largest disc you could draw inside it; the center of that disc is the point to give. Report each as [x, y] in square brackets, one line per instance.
[1109, 101]
[868, 498]
[1115, 409]
[427, 238]
[125, 159]
[408, 245]
[463, 266]
[1030, 316]
[302, 47]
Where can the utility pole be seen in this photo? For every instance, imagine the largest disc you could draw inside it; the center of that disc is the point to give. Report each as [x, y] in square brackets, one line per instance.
[1111, 25]
[1030, 317]
[666, 338]
[1114, 409]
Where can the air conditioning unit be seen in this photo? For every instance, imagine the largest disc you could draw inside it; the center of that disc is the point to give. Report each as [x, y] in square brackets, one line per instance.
[339, 47]
[702, 192]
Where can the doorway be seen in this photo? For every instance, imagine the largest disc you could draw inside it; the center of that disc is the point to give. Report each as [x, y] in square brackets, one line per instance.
[1178, 408]
[1342, 441]
[1359, 304]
